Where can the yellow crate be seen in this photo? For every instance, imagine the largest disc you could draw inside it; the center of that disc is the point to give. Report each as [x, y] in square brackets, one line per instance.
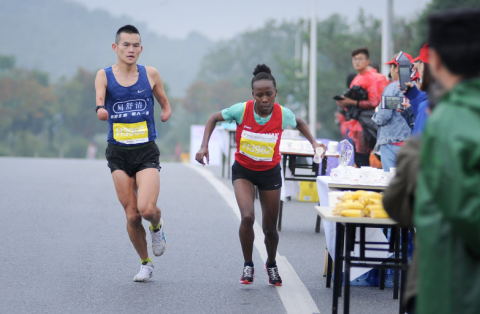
[308, 192]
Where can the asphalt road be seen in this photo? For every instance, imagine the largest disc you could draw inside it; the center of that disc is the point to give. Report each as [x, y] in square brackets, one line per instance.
[64, 247]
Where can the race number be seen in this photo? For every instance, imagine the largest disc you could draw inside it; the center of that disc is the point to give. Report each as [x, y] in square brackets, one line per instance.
[259, 147]
[130, 133]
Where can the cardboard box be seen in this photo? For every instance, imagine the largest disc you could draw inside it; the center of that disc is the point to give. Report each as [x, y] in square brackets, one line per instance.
[308, 192]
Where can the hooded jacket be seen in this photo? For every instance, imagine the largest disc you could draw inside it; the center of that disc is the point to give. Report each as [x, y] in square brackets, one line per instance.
[447, 205]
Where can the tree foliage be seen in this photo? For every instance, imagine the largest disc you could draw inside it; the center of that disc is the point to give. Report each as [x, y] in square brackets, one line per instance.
[421, 24]
[38, 118]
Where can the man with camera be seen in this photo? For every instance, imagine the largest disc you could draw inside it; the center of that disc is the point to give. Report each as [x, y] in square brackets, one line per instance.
[359, 102]
[393, 126]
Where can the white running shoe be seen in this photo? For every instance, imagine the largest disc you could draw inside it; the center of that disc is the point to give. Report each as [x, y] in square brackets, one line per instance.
[159, 243]
[145, 273]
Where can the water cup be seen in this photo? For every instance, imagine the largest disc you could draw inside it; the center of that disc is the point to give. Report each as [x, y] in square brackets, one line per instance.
[317, 158]
[356, 173]
[297, 146]
[378, 175]
[348, 173]
[332, 147]
[337, 174]
[366, 174]
[307, 147]
[385, 178]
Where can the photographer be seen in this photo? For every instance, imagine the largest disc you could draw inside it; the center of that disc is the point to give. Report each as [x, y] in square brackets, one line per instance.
[359, 104]
[393, 128]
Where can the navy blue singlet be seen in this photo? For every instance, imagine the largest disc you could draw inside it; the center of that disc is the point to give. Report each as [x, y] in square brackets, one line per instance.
[130, 110]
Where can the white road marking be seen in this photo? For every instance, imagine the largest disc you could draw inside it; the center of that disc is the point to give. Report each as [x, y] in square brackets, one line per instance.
[294, 295]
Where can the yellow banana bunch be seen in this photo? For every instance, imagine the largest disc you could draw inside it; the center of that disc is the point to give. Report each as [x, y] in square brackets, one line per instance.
[361, 204]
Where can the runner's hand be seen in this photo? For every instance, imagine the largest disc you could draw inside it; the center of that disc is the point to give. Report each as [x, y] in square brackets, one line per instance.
[102, 114]
[203, 152]
[166, 113]
[315, 145]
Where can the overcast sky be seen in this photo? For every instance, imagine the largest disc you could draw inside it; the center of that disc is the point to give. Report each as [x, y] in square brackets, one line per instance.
[223, 19]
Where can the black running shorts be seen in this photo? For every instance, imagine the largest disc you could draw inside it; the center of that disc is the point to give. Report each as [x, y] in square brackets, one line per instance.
[270, 179]
[133, 159]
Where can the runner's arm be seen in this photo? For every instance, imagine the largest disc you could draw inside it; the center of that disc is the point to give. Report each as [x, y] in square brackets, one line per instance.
[100, 91]
[209, 127]
[303, 128]
[159, 93]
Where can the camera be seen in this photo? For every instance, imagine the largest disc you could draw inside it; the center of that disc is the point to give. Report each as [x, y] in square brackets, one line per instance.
[392, 102]
[356, 93]
[404, 69]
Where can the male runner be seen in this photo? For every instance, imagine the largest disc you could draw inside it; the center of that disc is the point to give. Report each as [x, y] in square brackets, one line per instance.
[124, 98]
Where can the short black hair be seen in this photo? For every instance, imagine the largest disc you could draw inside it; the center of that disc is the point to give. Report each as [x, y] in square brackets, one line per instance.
[129, 29]
[263, 72]
[454, 36]
[363, 50]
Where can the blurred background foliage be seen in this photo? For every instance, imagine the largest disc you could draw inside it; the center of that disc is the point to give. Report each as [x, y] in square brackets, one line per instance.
[41, 118]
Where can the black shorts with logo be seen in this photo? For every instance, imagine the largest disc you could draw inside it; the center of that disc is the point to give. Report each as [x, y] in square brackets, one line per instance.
[270, 179]
[133, 159]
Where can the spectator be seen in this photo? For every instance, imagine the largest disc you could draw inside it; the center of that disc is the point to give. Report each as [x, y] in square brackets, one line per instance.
[447, 204]
[362, 131]
[382, 81]
[393, 127]
[340, 113]
[419, 98]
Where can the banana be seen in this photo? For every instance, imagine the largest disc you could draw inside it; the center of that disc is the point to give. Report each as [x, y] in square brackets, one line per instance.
[374, 195]
[352, 213]
[369, 201]
[351, 205]
[379, 214]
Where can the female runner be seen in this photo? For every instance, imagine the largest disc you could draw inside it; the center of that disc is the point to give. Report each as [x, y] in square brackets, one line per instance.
[260, 123]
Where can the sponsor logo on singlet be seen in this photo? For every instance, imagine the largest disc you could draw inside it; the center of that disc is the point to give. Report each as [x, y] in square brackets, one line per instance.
[258, 146]
[130, 106]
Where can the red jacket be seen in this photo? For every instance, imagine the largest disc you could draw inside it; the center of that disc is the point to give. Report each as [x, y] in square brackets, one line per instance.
[368, 81]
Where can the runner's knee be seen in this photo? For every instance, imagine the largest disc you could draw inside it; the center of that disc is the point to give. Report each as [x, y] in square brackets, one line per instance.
[134, 219]
[270, 230]
[248, 220]
[148, 212]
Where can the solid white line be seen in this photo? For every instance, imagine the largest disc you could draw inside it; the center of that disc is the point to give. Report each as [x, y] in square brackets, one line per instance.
[294, 295]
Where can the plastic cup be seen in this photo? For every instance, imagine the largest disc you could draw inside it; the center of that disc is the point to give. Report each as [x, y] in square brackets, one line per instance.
[317, 158]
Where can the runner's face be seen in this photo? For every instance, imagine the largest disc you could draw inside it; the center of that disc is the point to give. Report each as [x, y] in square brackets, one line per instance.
[128, 48]
[264, 94]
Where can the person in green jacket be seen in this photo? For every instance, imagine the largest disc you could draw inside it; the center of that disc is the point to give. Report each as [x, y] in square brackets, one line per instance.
[447, 204]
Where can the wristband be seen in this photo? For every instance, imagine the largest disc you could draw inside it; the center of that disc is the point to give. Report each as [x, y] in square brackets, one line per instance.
[98, 107]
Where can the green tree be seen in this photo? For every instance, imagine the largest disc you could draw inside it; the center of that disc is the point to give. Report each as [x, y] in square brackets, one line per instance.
[6, 62]
[26, 103]
[421, 24]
